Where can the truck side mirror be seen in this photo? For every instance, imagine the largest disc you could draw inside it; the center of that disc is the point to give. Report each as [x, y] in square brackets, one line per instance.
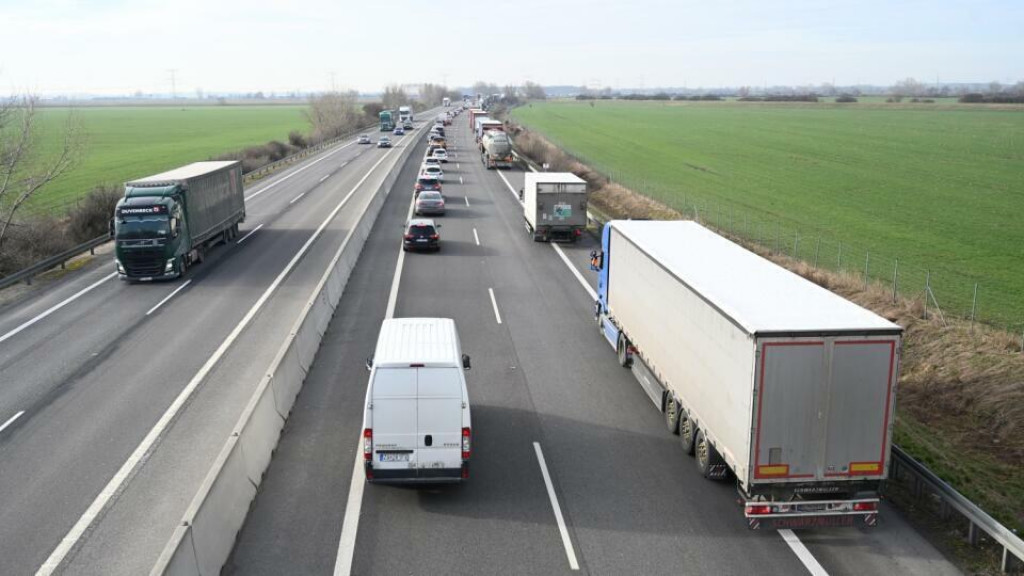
[596, 260]
[465, 362]
[369, 363]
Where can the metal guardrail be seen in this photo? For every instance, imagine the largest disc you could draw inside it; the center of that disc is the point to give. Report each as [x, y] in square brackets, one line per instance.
[924, 482]
[34, 270]
[59, 259]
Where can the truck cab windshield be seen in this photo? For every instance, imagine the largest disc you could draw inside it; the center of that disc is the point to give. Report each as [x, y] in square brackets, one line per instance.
[143, 227]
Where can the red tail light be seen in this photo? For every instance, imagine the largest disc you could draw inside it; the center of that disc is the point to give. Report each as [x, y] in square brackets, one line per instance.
[865, 506]
[419, 186]
[367, 445]
[435, 236]
[465, 443]
[579, 232]
[408, 236]
[758, 510]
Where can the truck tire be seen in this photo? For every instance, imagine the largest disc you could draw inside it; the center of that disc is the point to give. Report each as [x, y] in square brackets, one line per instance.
[686, 434]
[625, 360]
[709, 461]
[671, 414]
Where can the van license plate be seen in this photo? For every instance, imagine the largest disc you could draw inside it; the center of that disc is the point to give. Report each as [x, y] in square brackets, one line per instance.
[394, 457]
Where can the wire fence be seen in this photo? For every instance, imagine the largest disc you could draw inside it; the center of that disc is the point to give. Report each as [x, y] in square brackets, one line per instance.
[946, 288]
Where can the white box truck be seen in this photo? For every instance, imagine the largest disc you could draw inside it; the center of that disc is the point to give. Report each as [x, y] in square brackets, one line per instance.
[416, 422]
[555, 206]
[760, 372]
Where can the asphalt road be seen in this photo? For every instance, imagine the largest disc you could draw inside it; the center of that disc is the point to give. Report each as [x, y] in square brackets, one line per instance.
[89, 365]
[632, 502]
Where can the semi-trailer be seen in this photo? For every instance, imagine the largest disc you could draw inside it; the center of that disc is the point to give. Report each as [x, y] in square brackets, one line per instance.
[166, 222]
[763, 375]
[496, 150]
[485, 125]
[554, 206]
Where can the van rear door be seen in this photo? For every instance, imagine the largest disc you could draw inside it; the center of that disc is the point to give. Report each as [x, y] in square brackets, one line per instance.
[394, 420]
[439, 421]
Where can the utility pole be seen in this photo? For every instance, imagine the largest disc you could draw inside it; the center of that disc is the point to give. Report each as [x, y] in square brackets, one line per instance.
[174, 84]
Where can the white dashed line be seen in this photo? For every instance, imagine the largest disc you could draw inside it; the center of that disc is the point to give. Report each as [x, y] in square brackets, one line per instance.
[476, 237]
[576, 272]
[296, 199]
[251, 232]
[467, 201]
[562, 529]
[494, 302]
[11, 421]
[71, 299]
[802, 553]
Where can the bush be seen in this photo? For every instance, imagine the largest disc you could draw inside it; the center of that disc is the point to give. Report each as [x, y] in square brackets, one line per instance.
[844, 99]
[297, 139]
[91, 218]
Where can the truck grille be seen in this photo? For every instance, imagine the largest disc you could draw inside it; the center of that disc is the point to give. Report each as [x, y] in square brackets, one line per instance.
[143, 262]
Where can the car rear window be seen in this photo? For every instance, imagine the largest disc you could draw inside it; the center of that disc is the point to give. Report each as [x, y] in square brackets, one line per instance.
[421, 230]
[430, 196]
[428, 181]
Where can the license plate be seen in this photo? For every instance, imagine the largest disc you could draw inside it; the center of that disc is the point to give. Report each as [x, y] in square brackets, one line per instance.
[394, 457]
[421, 239]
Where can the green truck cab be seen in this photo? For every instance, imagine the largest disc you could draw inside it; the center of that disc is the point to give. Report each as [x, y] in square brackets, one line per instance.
[166, 222]
[387, 121]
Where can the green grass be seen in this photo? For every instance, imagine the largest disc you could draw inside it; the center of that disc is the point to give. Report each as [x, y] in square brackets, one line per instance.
[942, 190]
[122, 143]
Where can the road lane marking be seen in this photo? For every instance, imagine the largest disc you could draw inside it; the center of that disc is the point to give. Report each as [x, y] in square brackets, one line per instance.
[143, 450]
[251, 232]
[296, 199]
[56, 307]
[276, 182]
[476, 237]
[357, 484]
[802, 553]
[510, 188]
[467, 201]
[459, 166]
[494, 302]
[575, 271]
[460, 180]
[169, 296]
[562, 529]
[11, 421]
[325, 178]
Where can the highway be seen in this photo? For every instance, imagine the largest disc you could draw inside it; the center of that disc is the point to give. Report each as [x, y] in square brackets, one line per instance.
[117, 397]
[573, 470]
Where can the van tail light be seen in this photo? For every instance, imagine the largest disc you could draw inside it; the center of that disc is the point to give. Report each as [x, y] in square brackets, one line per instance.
[865, 506]
[758, 510]
[466, 442]
[578, 232]
[368, 445]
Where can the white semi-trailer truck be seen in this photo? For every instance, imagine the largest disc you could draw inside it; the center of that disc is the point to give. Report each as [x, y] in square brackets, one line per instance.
[764, 375]
[554, 206]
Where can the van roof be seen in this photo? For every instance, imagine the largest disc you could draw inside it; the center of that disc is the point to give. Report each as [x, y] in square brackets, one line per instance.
[431, 342]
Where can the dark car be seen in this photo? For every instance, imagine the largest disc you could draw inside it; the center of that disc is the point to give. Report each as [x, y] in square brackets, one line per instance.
[384, 142]
[421, 234]
[427, 184]
[429, 203]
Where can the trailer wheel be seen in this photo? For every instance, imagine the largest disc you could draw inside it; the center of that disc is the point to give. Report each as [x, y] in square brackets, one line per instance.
[709, 461]
[686, 434]
[625, 360]
[671, 414]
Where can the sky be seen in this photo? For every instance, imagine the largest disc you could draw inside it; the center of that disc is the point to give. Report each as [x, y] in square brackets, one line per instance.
[53, 47]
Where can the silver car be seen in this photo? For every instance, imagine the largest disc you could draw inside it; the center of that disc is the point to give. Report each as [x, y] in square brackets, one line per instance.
[430, 203]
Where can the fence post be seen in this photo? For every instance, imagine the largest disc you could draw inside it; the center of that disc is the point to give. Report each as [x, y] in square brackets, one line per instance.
[895, 275]
[927, 291]
[817, 248]
[867, 260]
[839, 259]
[974, 305]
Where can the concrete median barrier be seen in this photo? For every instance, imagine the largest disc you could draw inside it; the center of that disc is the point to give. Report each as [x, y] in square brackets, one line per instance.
[202, 543]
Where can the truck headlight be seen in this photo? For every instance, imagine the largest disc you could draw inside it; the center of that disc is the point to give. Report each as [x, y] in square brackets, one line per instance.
[169, 266]
[120, 268]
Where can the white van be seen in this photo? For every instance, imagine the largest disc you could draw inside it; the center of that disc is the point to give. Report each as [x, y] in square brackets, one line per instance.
[416, 425]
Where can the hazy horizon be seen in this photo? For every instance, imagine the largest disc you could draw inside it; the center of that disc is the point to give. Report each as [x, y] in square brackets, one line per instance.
[112, 47]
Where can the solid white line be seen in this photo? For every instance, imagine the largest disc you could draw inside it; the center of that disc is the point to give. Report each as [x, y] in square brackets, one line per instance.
[56, 307]
[114, 486]
[325, 178]
[251, 232]
[476, 237]
[276, 182]
[296, 199]
[169, 296]
[510, 188]
[575, 271]
[467, 201]
[802, 552]
[11, 421]
[357, 484]
[562, 529]
[494, 302]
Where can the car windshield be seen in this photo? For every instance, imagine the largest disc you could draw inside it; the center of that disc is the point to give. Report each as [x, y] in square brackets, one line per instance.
[421, 230]
[430, 196]
[142, 227]
[440, 152]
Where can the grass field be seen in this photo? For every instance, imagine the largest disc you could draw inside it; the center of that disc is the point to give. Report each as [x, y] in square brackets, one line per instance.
[122, 143]
[941, 190]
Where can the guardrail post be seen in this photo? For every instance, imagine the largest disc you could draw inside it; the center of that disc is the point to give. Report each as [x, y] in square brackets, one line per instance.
[972, 533]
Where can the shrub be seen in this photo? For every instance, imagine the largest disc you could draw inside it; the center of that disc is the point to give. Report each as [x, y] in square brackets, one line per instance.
[846, 98]
[297, 139]
[91, 217]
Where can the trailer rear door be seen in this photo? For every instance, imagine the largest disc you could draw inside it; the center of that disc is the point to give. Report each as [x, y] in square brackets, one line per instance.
[823, 409]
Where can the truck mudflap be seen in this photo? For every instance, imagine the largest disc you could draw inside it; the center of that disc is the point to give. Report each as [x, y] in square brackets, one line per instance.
[811, 513]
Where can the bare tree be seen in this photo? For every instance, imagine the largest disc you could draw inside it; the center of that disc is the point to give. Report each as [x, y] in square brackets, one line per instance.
[994, 87]
[332, 114]
[25, 168]
[393, 97]
[908, 87]
[534, 91]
